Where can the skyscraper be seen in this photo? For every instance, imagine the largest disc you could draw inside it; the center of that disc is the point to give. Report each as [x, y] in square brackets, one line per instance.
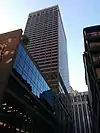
[48, 46]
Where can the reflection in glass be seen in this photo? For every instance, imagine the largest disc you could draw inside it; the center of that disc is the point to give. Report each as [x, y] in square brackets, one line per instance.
[29, 72]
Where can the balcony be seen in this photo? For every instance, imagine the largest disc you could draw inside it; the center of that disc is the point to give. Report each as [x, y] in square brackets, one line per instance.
[93, 38]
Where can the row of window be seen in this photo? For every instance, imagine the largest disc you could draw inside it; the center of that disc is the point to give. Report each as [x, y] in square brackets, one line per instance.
[47, 62]
[48, 31]
[79, 98]
[42, 38]
[42, 29]
[42, 33]
[46, 72]
[42, 19]
[42, 61]
[43, 14]
[42, 25]
[45, 58]
[48, 65]
[96, 57]
[44, 52]
[45, 49]
[48, 47]
[42, 44]
[93, 34]
[47, 25]
[42, 22]
[94, 44]
[48, 68]
[45, 28]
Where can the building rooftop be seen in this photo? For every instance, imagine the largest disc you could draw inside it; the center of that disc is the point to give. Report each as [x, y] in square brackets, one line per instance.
[35, 12]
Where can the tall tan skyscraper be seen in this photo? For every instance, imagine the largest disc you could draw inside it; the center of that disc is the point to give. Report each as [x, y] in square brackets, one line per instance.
[48, 46]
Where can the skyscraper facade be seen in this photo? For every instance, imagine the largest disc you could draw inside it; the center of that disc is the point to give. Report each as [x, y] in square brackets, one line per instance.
[81, 113]
[48, 46]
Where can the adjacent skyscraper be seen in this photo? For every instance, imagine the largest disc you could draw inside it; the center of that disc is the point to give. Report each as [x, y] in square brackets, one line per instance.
[48, 46]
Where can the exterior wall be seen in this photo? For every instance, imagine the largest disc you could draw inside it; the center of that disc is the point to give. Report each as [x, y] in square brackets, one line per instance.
[29, 72]
[8, 44]
[88, 81]
[48, 45]
[81, 113]
[92, 56]
[42, 30]
[63, 56]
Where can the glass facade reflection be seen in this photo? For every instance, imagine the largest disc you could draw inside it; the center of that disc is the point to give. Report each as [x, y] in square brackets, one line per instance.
[63, 57]
[27, 69]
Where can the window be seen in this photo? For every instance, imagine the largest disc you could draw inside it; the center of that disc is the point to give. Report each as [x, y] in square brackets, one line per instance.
[96, 57]
[92, 34]
[75, 99]
[94, 44]
[98, 72]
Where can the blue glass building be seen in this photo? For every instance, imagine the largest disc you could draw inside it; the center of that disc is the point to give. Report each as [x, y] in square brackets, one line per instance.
[29, 71]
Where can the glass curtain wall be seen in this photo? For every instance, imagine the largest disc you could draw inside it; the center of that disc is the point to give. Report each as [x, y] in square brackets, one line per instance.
[29, 72]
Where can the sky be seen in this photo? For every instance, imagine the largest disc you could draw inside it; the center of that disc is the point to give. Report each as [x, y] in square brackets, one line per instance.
[76, 14]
